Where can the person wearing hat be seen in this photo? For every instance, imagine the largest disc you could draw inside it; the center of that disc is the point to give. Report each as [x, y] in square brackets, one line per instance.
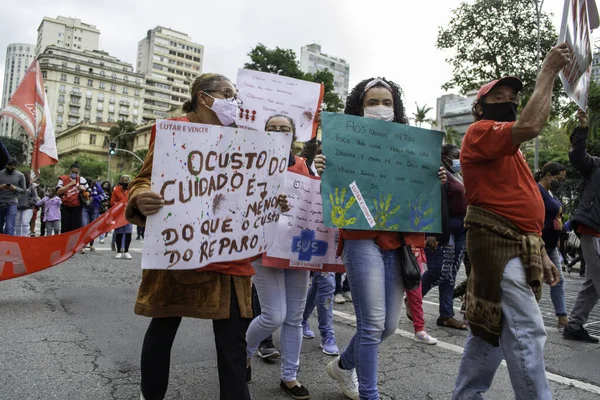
[12, 185]
[505, 218]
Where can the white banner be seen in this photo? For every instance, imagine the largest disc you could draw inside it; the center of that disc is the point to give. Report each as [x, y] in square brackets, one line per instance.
[265, 95]
[575, 30]
[302, 239]
[220, 187]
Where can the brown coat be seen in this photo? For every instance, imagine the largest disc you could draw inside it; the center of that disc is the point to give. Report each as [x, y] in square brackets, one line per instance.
[184, 293]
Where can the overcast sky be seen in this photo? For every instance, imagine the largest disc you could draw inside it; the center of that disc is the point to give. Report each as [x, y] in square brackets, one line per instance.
[390, 38]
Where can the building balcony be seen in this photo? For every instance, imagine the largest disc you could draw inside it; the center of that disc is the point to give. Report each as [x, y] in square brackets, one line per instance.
[74, 113]
[112, 101]
[71, 123]
[124, 102]
[124, 112]
[76, 93]
[74, 104]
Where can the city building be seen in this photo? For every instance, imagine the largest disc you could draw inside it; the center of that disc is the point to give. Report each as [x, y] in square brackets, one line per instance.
[454, 111]
[170, 61]
[90, 86]
[596, 67]
[68, 33]
[19, 57]
[312, 60]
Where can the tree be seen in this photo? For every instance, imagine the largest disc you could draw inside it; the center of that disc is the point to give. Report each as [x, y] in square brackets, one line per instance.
[452, 136]
[91, 166]
[420, 116]
[125, 141]
[137, 166]
[283, 62]
[495, 38]
[15, 148]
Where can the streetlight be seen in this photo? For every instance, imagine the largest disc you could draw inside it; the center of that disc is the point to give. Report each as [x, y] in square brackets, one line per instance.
[112, 151]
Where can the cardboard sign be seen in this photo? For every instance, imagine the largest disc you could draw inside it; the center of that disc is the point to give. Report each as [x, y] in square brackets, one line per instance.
[575, 30]
[303, 241]
[221, 188]
[265, 95]
[380, 176]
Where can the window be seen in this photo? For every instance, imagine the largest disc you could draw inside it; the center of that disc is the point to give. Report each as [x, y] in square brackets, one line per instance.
[61, 109]
[44, 74]
[125, 78]
[112, 99]
[111, 117]
[88, 103]
[64, 64]
[114, 76]
[102, 73]
[113, 88]
[93, 139]
[61, 98]
[136, 103]
[125, 91]
[87, 115]
[90, 83]
[63, 77]
[111, 108]
[99, 119]
[62, 89]
[137, 92]
[77, 67]
[101, 97]
[59, 119]
[135, 111]
[88, 94]
[101, 85]
[76, 80]
[100, 106]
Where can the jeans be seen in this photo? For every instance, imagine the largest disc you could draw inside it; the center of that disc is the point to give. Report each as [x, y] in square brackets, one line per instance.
[23, 221]
[231, 357]
[339, 286]
[52, 225]
[521, 344]
[377, 292]
[443, 264]
[557, 293]
[588, 295]
[414, 298]
[8, 217]
[282, 294]
[256, 311]
[89, 214]
[321, 291]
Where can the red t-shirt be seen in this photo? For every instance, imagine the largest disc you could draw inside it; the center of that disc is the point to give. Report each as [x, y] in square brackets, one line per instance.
[497, 177]
[586, 230]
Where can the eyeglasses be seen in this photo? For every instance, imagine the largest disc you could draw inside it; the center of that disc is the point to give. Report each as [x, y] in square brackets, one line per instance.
[280, 128]
[229, 95]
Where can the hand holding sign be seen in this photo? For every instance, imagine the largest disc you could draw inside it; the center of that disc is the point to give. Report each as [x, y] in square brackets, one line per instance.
[557, 58]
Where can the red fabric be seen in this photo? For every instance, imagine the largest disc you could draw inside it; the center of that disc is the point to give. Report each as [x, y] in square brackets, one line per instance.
[497, 177]
[457, 198]
[118, 194]
[415, 297]
[586, 230]
[70, 198]
[299, 167]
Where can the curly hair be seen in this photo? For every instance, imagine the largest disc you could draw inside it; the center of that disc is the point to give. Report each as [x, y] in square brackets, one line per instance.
[474, 112]
[354, 102]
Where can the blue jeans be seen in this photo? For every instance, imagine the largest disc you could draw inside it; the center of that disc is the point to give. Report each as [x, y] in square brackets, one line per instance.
[557, 293]
[521, 344]
[8, 218]
[443, 264]
[282, 294]
[321, 291]
[89, 214]
[377, 293]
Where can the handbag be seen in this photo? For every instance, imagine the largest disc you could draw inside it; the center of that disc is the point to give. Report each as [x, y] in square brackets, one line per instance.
[411, 272]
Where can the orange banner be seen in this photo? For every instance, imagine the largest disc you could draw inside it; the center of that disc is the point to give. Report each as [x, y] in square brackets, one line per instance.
[21, 256]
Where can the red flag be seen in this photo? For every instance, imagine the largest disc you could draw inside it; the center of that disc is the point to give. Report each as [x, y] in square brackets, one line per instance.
[29, 106]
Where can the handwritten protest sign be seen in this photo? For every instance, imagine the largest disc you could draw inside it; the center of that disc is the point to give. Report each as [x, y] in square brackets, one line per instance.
[265, 95]
[303, 241]
[380, 175]
[221, 188]
[575, 30]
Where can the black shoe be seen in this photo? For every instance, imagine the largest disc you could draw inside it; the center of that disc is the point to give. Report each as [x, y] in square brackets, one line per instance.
[248, 374]
[579, 334]
[138, 237]
[297, 392]
[267, 351]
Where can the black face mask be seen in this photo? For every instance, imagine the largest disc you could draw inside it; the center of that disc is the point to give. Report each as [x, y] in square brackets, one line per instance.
[502, 112]
[124, 186]
[554, 186]
[9, 170]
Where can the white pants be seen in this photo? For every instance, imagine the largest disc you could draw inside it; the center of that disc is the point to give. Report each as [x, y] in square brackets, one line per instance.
[22, 222]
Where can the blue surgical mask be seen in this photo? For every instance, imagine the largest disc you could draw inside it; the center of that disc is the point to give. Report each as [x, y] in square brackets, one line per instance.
[73, 176]
[456, 166]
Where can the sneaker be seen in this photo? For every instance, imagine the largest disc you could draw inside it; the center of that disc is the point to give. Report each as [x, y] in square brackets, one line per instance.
[82, 251]
[92, 248]
[138, 237]
[329, 345]
[339, 299]
[101, 241]
[423, 337]
[248, 374]
[267, 351]
[298, 392]
[119, 256]
[579, 334]
[347, 378]
[347, 296]
[307, 333]
[127, 256]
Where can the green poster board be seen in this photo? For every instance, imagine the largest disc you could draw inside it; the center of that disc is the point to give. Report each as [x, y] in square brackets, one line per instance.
[380, 176]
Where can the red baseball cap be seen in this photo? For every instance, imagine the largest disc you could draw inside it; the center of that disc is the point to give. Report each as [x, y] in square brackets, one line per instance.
[511, 81]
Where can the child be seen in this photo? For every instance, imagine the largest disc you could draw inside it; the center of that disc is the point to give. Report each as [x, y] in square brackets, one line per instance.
[51, 211]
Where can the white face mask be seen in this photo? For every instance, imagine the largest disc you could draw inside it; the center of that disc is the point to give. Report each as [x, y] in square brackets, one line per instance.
[383, 113]
[226, 110]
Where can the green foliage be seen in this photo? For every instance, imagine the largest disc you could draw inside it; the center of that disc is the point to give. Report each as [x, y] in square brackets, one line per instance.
[283, 62]
[15, 148]
[91, 166]
[494, 38]
[452, 136]
[421, 116]
[137, 166]
[126, 141]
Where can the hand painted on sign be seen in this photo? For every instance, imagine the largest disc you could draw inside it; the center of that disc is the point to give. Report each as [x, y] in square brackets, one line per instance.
[383, 213]
[338, 209]
[421, 215]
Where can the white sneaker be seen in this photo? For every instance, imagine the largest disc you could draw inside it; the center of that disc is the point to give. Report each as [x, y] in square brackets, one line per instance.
[347, 378]
[339, 299]
[423, 337]
[127, 256]
[347, 296]
[119, 256]
[101, 241]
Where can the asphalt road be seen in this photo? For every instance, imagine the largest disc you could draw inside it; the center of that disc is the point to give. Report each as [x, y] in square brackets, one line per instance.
[70, 333]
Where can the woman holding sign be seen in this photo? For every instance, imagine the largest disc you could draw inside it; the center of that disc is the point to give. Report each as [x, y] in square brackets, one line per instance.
[221, 291]
[371, 261]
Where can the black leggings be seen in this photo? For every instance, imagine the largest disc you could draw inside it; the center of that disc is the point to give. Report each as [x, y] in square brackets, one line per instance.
[119, 241]
[230, 341]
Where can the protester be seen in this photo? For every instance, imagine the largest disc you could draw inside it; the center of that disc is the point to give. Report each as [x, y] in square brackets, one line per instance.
[548, 180]
[26, 203]
[586, 221]
[504, 219]
[445, 252]
[51, 207]
[91, 211]
[282, 294]
[342, 290]
[221, 291]
[123, 233]
[141, 231]
[371, 261]
[320, 294]
[71, 189]
[266, 349]
[12, 185]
